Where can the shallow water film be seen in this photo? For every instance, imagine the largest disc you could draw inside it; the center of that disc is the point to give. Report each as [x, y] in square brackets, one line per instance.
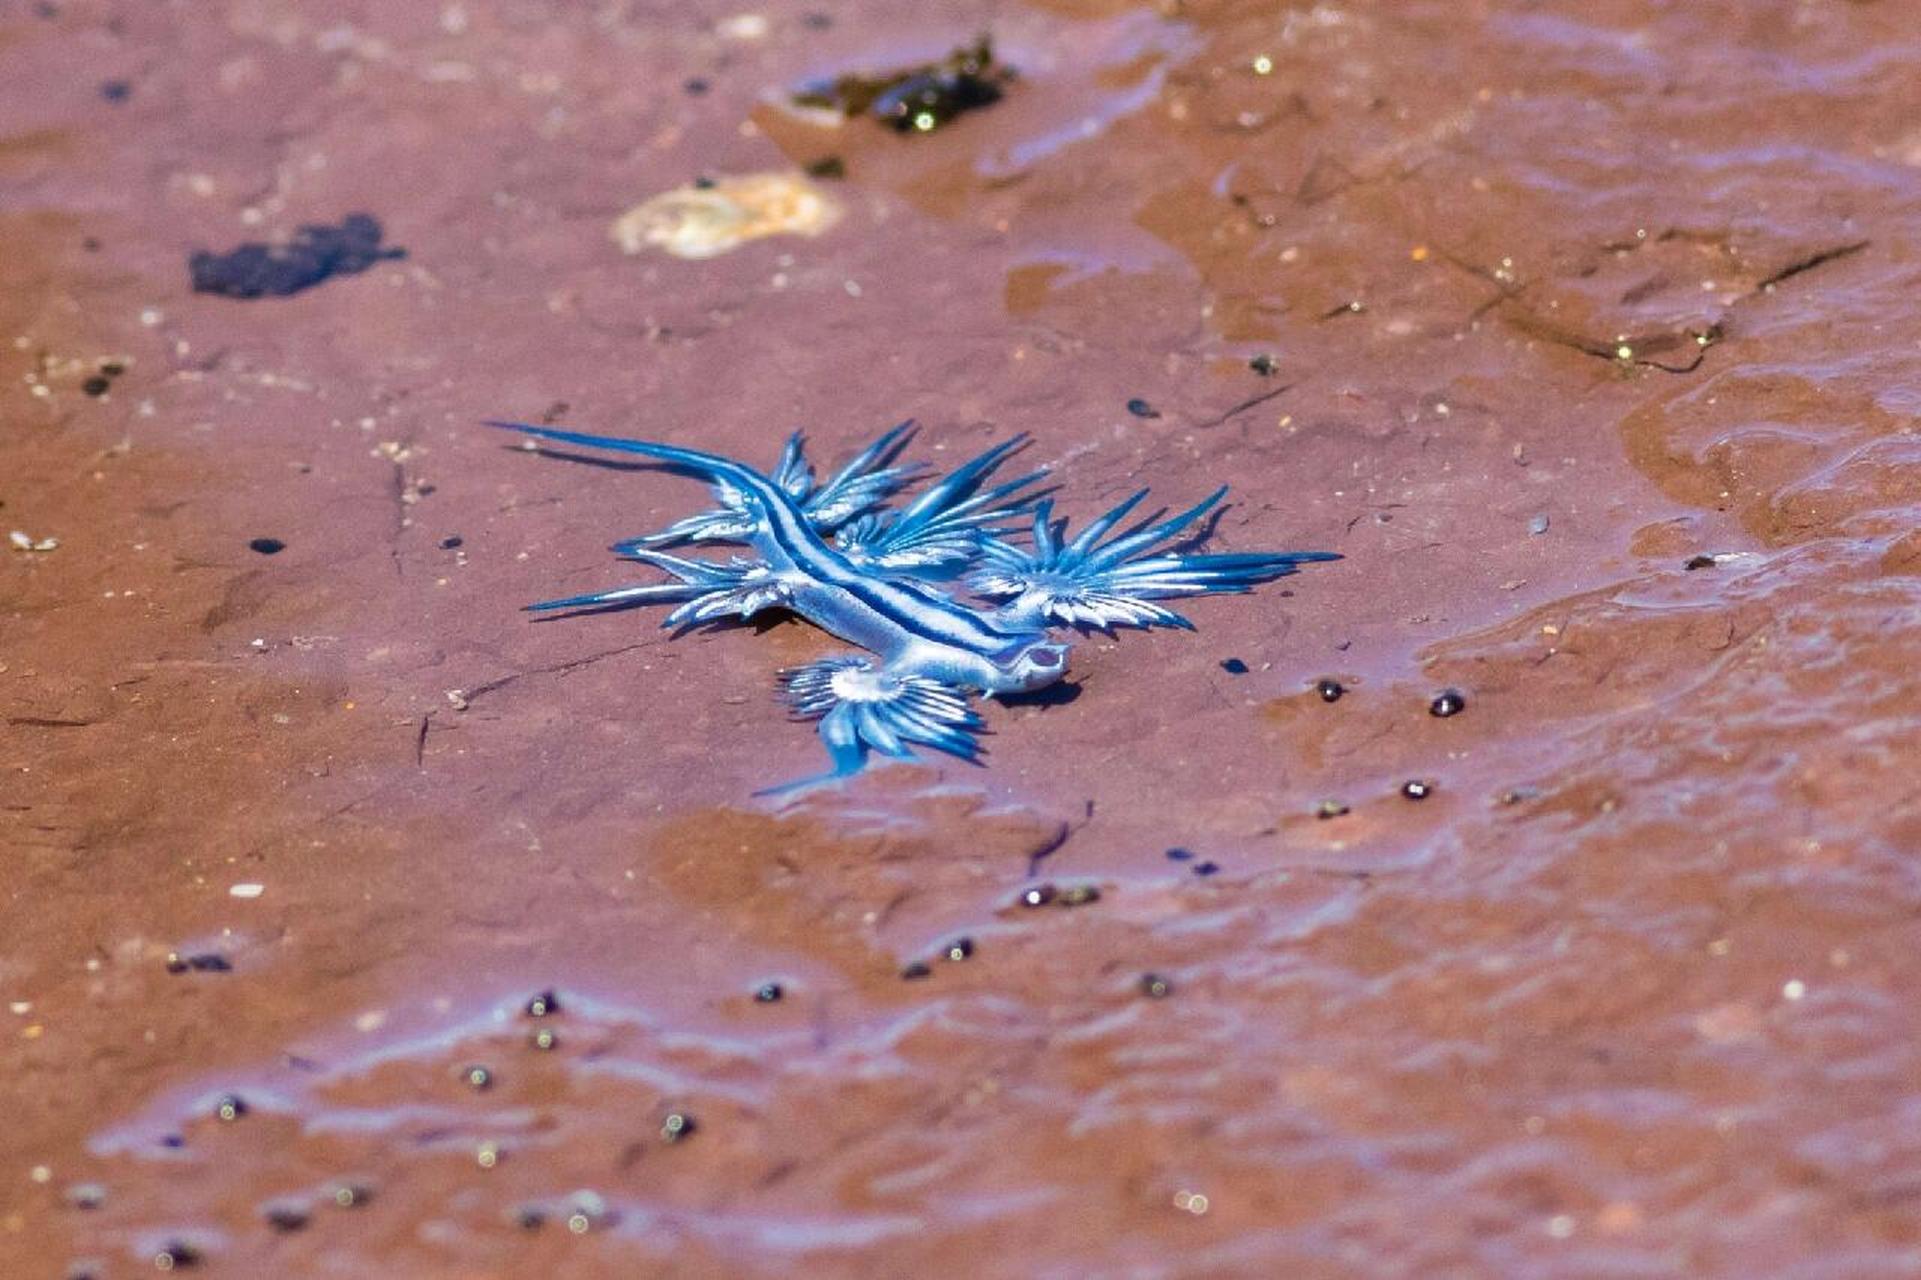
[1534, 892]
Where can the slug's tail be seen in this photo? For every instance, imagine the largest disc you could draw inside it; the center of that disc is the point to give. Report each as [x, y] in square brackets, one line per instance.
[709, 465]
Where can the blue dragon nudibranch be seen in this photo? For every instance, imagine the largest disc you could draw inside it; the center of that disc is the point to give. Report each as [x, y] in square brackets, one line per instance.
[883, 578]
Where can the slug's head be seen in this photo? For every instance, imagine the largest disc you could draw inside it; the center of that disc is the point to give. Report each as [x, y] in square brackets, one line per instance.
[1034, 667]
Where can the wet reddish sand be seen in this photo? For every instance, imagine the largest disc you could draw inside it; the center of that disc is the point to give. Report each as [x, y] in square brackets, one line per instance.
[1630, 993]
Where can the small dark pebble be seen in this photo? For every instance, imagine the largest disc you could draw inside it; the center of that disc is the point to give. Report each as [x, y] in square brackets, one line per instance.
[1699, 562]
[1037, 895]
[828, 167]
[544, 1039]
[176, 1255]
[200, 962]
[1141, 409]
[267, 546]
[230, 1107]
[112, 368]
[286, 1217]
[1207, 868]
[530, 1217]
[478, 1077]
[1234, 667]
[1155, 987]
[696, 86]
[1180, 855]
[959, 949]
[704, 183]
[918, 969]
[116, 90]
[315, 254]
[1416, 789]
[173, 1141]
[676, 1125]
[1448, 702]
[769, 992]
[451, 541]
[97, 385]
[544, 1005]
[1330, 690]
[1265, 365]
[1080, 895]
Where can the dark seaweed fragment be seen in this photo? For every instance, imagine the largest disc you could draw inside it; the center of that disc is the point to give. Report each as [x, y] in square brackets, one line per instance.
[916, 99]
[316, 253]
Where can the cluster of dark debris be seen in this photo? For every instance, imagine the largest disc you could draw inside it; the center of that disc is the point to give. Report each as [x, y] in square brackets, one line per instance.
[918, 99]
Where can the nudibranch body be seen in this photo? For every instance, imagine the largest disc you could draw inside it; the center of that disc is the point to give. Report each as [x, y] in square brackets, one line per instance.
[883, 578]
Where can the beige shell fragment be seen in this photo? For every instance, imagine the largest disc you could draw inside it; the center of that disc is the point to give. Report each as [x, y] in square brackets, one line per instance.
[704, 222]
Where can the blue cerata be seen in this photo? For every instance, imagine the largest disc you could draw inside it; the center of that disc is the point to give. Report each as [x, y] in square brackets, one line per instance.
[938, 590]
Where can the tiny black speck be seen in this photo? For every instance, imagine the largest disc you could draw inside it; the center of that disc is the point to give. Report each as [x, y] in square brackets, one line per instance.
[1264, 364]
[176, 1255]
[1234, 667]
[451, 541]
[1330, 690]
[546, 1004]
[1207, 868]
[1699, 562]
[676, 1125]
[201, 962]
[1416, 789]
[918, 969]
[97, 385]
[696, 86]
[267, 546]
[828, 167]
[960, 949]
[1141, 409]
[769, 992]
[1180, 855]
[116, 90]
[285, 1217]
[1448, 702]
[1155, 987]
